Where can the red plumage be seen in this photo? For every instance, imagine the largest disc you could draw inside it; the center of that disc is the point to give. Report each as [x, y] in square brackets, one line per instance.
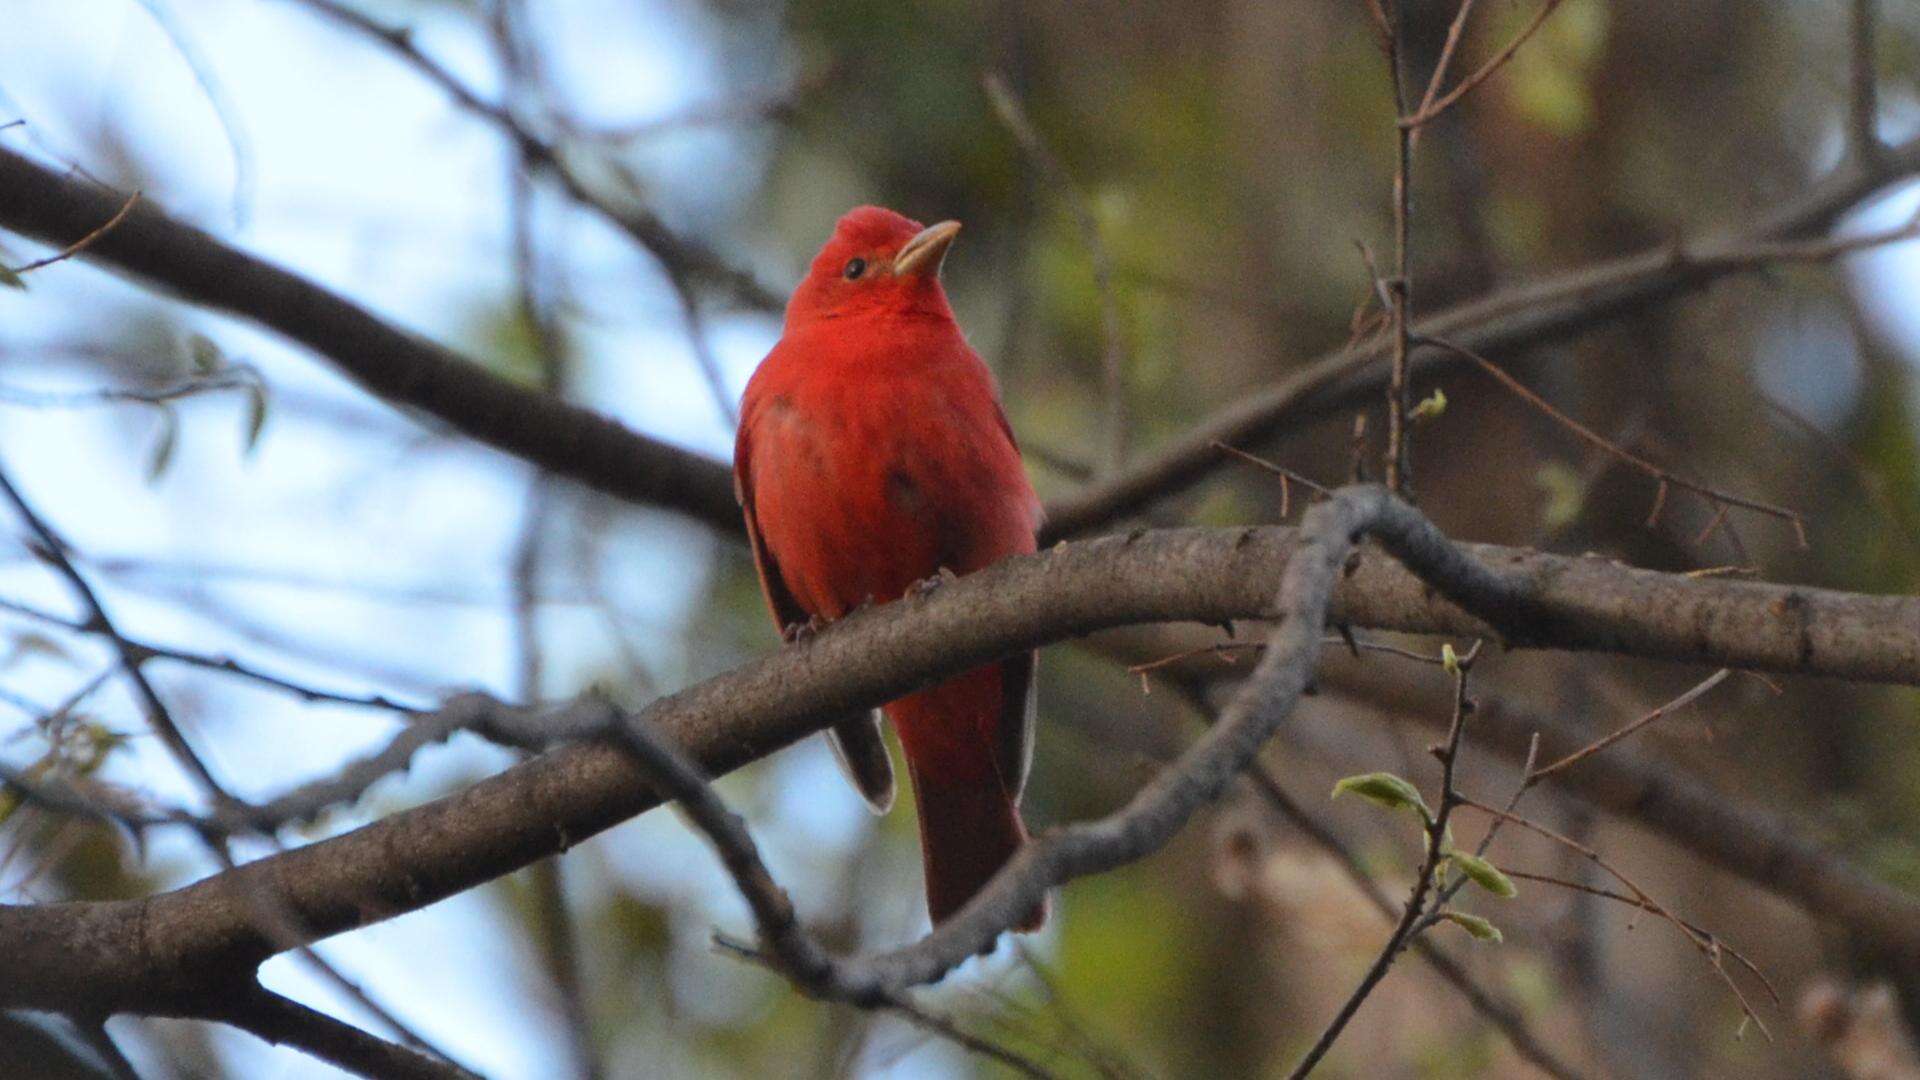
[873, 454]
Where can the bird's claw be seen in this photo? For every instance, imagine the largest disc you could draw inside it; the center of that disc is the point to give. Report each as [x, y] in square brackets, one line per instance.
[931, 584]
[794, 633]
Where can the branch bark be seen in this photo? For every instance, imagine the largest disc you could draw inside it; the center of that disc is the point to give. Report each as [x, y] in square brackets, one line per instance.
[408, 371]
[1514, 318]
[394, 365]
[285, 1022]
[169, 953]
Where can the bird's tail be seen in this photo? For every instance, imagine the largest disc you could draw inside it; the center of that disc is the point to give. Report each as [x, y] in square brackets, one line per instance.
[969, 813]
[968, 831]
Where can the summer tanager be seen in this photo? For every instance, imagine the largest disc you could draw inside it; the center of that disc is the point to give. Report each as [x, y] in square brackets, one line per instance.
[872, 457]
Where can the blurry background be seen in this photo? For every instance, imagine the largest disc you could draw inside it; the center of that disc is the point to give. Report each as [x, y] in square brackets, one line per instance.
[1233, 152]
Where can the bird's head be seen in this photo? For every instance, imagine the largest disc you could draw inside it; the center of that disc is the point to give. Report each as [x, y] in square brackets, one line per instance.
[876, 261]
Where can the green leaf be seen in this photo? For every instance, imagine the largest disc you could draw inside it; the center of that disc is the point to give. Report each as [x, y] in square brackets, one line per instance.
[1430, 409]
[256, 414]
[1484, 874]
[205, 354]
[28, 643]
[1386, 789]
[94, 742]
[1481, 929]
[1450, 660]
[1566, 494]
[10, 279]
[12, 798]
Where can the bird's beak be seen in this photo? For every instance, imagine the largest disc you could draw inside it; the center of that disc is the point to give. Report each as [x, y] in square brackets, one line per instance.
[925, 251]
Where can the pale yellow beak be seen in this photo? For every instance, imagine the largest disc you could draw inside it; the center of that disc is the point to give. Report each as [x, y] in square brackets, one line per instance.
[925, 251]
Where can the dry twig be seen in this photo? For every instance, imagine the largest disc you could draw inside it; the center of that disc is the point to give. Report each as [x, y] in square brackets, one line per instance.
[77, 246]
[1721, 501]
[1431, 108]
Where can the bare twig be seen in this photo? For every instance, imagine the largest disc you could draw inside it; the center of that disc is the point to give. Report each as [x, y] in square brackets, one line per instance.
[1225, 650]
[227, 808]
[1708, 944]
[348, 783]
[1721, 501]
[1107, 1061]
[1756, 842]
[53, 551]
[1534, 776]
[1415, 915]
[527, 729]
[554, 916]
[695, 326]
[1501, 1014]
[680, 257]
[1431, 109]
[1635, 902]
[286, 1022]
[395, 365]
[1338, 381]
[226, 665]
[81, 244]
[1287, 476]
[269, 913]
[273, 917]
[1455, 31]
[560, 950]
[1400, 289]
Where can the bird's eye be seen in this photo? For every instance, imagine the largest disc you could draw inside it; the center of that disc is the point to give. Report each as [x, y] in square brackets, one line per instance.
[855, 267]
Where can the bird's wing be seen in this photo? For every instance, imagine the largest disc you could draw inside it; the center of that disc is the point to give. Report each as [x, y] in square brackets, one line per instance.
[1019, 692]
[858, 743]
[1019, 703]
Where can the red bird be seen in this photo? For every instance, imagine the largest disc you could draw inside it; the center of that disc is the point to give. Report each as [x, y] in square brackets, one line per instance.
[873, 455]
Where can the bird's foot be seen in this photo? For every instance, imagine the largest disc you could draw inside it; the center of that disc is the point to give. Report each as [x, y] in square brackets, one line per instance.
[798, 632]
[932, 584]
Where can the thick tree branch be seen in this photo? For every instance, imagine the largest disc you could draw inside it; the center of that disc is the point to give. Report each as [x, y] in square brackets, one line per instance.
[1199, 687]
[397, 366]
[171, 950]
[1201, 774]
[1513, 318]
[1756, 842]
[577, 443]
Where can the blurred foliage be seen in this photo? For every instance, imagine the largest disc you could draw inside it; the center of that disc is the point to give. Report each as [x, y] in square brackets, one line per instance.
[1233, 153]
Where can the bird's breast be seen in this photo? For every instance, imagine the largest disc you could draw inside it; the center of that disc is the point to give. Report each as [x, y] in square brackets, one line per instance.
[863, 489]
